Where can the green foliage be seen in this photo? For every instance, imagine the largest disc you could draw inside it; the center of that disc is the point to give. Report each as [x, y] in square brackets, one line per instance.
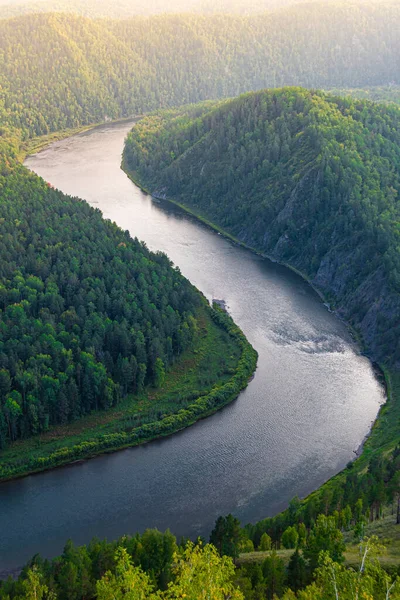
[87, 314]
[81, 71]
[324, 537]
[128, 582]
[308, 178]
[274, 573]
[125, 569]
[297, 571]
[226, 536]
[265, 542]
[200, 573]
[290, 537]
[387, 94]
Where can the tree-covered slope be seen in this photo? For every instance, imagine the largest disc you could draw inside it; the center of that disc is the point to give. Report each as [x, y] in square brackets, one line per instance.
[310, 179]
[87, 314]
[62, 71]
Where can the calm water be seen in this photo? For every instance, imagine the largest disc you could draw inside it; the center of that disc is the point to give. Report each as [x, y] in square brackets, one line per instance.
[308, 408]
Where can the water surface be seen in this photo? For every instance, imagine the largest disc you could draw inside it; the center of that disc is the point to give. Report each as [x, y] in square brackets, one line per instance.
[308, 408]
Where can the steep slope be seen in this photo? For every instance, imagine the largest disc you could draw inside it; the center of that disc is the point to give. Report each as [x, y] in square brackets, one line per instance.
[62, 71]
[308, 178]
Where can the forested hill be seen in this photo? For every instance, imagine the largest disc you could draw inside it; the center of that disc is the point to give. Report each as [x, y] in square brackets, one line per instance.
[311, 179]
[87, 314]
[64, 71]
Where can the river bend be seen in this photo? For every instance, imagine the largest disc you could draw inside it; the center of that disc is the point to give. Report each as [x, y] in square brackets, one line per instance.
[308, 408]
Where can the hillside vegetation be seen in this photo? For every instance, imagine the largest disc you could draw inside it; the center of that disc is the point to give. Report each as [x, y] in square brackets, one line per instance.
[152, 566]
[63, 71]
[310, 179]
[313, 181]
[89, 320]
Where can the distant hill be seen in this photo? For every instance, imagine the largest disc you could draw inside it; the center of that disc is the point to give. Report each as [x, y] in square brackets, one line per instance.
[310, 179]
[63, 70]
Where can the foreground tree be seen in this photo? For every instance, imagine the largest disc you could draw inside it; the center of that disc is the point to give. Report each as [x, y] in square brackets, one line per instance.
[199, 573]
[227, 536]
[202, 574]
[325, 537]
[129, 582]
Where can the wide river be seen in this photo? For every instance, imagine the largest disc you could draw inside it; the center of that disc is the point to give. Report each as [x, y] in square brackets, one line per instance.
[299, 422]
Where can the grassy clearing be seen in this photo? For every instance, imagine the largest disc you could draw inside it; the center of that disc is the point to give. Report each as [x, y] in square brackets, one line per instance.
[212, 361]
[385, 529]
[259, 557]
[389, 535]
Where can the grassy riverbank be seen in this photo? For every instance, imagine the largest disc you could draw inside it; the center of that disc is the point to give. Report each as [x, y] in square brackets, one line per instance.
[203, 380]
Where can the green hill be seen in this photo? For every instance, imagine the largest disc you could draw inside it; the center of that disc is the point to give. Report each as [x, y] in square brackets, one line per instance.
[310, 179]
[93, 323]
[63, 71]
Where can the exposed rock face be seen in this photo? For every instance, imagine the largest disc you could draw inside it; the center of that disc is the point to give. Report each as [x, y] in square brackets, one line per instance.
[366, 304]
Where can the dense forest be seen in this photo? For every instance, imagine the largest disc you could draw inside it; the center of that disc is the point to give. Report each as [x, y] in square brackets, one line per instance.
[308, 178]
[153, 566]
[81, 71]
[87, 314]
[389, 94]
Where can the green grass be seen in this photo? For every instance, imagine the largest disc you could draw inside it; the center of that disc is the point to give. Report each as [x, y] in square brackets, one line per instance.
[212, 361]
[389, 535]
[258, 557]
[385, 529]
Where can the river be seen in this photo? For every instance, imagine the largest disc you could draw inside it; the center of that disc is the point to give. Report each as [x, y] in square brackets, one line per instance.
[306, 411]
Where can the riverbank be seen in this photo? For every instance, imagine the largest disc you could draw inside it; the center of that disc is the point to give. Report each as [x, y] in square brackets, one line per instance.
[384, 433]
[219, 354]
[37, 144]
[205, 379]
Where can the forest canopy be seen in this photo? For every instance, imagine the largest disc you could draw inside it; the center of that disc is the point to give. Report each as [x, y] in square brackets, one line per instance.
[87, 314]
[62, 71]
